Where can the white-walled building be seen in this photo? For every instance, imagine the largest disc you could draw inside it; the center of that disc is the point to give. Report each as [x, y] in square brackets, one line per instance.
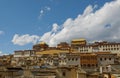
[22, 57]
[73, 59]
[104, 46]
[105, 59]
[24, 53]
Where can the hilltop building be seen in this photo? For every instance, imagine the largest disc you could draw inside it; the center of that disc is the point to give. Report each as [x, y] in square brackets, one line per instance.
[76, 43]
[79, 59]
[88, 61]
[23, 57]
[40, 47]
[73, 59]
[101, 47]
[105, 59]
[24, 53]
[5, 60]
[81, 45]
[63, 46]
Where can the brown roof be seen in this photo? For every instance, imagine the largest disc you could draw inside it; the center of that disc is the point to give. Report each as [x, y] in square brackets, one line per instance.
[103, 53]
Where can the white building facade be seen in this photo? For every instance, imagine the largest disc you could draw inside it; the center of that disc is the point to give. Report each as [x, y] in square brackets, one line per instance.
[112, 47]
[24, 53]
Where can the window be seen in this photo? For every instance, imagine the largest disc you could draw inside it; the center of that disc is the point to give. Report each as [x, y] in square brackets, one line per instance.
[76, 59]
[89, 65]
[109, 58]
[105, 59]
[117, 48]
[114, 45]
[69, 59]
[63, 73]
[100, 59]
[81, 65]
[72, 59]
[84, 65]
[92, 65]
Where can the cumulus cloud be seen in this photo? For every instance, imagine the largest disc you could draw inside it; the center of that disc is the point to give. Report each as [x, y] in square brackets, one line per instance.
[88, 10]
[101, 24]
[25, 39]
[43, 11]
[49, 35]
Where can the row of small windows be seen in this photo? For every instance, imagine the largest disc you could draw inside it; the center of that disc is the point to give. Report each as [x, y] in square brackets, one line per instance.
[108, 49]
[72, 59]
[92, 57]
[59, 61]
[86, 47]
[89, 65]
[21, 53]
[105, 59]
[62, 61]
[109, 46]
[111, 49]
[83, 50]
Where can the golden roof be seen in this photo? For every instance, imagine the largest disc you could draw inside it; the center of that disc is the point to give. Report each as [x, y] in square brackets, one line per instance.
[42, 42]
[81, 39]
[52, 52]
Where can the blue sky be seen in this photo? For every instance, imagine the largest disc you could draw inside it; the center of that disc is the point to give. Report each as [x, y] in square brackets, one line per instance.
[26, 22]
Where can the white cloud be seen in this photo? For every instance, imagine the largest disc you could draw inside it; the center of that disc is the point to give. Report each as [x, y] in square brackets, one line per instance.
[95, 6]
[55, 27]
[1, 32]
[1, 53]
[25, 39]
[47, 8]
[88, 10]
[43, 11]
[47, 36]
[102, 24]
